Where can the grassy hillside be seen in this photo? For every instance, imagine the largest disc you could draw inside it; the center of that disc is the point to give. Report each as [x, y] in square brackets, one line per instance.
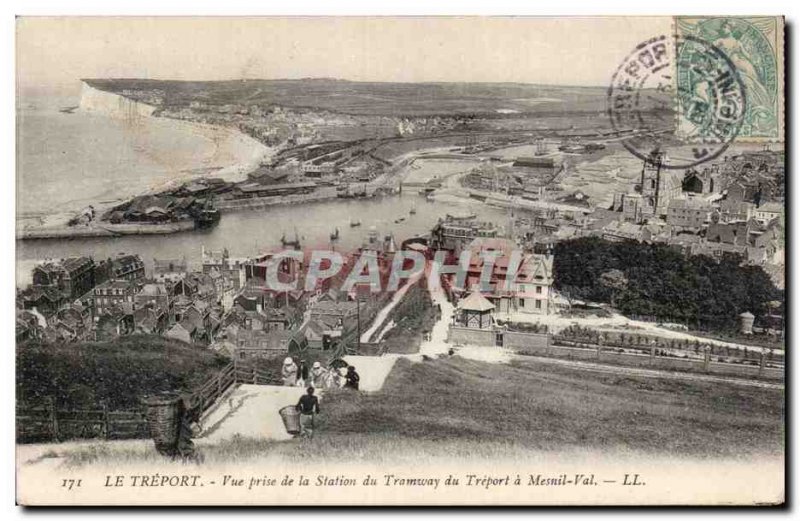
[81, 375]
[545, 407]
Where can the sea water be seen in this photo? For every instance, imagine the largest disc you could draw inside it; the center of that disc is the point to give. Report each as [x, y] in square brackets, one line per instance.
[66, 161]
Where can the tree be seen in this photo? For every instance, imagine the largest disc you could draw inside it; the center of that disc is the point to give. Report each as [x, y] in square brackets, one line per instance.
[571, 293]
[615, 281]
[660, 281]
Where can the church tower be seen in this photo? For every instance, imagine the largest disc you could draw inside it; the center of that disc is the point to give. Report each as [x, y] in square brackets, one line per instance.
[654, 175]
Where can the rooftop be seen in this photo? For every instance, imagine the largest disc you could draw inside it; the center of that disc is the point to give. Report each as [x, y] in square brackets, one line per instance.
[252, 187]
[115, 284]
[476, 302]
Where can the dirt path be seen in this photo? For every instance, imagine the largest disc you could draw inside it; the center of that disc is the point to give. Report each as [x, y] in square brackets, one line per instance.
[372, 370]
[250, 411]
[438, 341]
[380, 318]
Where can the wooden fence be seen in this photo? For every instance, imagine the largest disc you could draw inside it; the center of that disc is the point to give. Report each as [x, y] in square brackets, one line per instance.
[645, 342]
[654, 357]
[46, 423]
[206, 394]
[251, 373]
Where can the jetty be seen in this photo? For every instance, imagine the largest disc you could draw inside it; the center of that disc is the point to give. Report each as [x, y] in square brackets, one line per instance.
[104, 230]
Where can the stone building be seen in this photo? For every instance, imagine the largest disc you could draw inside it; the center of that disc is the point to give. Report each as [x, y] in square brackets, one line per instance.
[72, 277]
[112, 293]
[689, 213]
[657, 186]
[127, 267]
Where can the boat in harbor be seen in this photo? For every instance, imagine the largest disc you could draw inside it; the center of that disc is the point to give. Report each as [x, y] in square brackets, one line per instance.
[335, 235]
[206, 217]
[463, 216]
[347, 192]
[399, 220]
[355, 223]
[295, 243]
[413, 210]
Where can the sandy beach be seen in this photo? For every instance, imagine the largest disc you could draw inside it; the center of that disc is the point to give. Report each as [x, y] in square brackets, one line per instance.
[88, 157]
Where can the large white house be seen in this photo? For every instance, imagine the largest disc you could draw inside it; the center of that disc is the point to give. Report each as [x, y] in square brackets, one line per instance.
[533, 276]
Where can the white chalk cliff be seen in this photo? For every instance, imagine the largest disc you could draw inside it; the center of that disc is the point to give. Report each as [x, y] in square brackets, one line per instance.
[114, 105]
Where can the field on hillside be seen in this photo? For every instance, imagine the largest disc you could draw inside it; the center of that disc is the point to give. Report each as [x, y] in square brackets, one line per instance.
[370, 98]
[120, 373]
[543, 407]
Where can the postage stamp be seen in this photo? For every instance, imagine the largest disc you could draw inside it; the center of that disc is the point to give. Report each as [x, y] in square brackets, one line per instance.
[679, 97]
[754, 45]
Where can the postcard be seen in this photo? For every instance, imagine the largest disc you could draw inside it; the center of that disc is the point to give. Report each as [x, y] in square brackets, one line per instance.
[402, 261]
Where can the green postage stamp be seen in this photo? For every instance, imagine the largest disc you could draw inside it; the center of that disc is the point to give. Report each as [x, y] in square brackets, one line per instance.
[753, 47]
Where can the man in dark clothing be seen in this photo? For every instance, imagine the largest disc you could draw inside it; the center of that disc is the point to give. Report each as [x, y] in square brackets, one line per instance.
[302, 373]
[351, 378]
[308, 407]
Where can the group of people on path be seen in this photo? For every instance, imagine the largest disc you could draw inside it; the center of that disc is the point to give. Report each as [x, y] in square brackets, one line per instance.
[318, 377]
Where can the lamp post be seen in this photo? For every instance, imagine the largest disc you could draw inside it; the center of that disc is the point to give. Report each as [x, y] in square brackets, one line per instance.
[358, 323]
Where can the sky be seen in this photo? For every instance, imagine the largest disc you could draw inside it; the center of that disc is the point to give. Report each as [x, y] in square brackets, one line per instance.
[53, 53]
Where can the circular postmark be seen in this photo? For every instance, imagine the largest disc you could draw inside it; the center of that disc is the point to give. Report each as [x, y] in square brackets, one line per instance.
[679, 99]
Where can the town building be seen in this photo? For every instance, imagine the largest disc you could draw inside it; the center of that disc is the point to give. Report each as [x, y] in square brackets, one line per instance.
[72, 277]
[730, 210]
[255, 190]
[318, 170]
[30, 325]
[115, 321]
[658, 185]
[620, 231]
[112, 293]
[756, 242]
[688, 213]
[195, 323]
[155, 296]
[266, 175]
[44, 299]
[631, 206]
[768, 211]
[531, 291]
[537, 166]
[182, 332]
[704, 182]
[454, 233]
[127, 267]
[151, 320]
[475, 311]
[73, 322]
[232, 269]
[258, 344]
[316, 334]
[333, 312]
[169, 269]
